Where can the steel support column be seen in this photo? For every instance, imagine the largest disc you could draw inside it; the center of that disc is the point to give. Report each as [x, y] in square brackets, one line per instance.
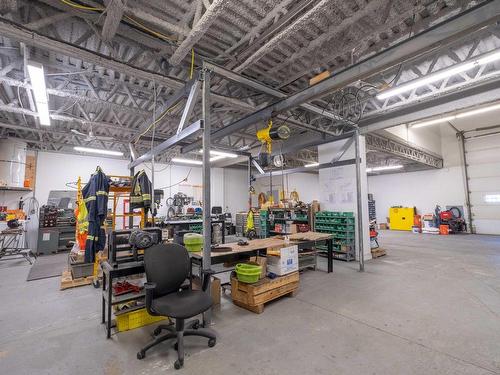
[461, 143]
[249, 182]
[361, 254]
[207, 225]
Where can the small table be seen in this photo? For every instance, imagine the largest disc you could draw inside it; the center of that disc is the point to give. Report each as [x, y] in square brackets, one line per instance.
[10, 245]
[108, 300]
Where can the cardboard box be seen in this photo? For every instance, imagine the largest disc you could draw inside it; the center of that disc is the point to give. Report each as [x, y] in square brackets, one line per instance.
[291, 228]
[285, 263]
[214, 288]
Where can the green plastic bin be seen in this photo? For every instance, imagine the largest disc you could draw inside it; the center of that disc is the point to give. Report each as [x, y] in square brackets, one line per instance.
[193, 242]
[248, 273]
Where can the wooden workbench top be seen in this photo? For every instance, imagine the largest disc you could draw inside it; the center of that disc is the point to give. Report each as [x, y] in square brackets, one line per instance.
[265, 243]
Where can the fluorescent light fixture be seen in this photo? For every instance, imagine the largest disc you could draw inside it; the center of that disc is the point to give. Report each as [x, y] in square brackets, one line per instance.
[385, 168]
[492, 198]
[98, 151]
[433, 122]
[472, 112]
[37, 77]
[221, 154]
[311, 165]
[215, 158]
[478, 111]
[187, 161]
[440, 75]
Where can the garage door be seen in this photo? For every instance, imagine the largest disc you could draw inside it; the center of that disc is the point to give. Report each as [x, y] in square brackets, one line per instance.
[483, 159]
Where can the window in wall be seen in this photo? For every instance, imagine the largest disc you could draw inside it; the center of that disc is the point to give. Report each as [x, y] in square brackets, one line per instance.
[492, 198]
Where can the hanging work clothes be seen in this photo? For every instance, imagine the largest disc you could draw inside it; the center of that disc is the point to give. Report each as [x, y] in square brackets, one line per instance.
[140, 197]
[95, 195]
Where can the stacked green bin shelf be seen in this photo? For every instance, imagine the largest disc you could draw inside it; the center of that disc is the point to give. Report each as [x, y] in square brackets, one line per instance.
[342, 226]
[264, 224]
[196, 228]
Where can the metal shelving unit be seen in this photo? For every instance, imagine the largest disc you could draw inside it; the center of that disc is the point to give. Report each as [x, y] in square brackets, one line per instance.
[342, 226]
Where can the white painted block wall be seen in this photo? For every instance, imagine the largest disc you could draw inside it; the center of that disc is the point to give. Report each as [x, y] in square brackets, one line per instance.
[229, 187]
[423, 189]
[338, 187]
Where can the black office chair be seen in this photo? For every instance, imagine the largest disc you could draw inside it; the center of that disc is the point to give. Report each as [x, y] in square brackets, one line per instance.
[167, 268]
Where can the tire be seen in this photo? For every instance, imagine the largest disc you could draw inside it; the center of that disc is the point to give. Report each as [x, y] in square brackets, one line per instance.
[196, 325]
[211, 343]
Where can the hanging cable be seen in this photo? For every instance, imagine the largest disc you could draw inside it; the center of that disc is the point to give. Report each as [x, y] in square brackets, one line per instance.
[192, 64]
[185, 179]
[128, 18]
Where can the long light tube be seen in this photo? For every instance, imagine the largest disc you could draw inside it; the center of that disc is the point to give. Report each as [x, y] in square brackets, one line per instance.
[187, 161]
[471, 112]
[98, 151]
[311, 165]
[221, 154]
[385, 168]
[37, 77]
[440, 75]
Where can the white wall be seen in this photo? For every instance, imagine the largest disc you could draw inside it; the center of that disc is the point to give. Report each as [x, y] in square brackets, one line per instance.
[236, 190]
[229, 187]
[424, 189]
[338, 188]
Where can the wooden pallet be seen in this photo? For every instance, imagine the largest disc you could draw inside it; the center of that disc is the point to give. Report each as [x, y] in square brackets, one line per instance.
[67, 280]
[379, 252]
[253, 296]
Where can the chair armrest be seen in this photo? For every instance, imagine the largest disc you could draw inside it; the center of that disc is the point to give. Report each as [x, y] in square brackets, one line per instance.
[206, 278]
[149, 288]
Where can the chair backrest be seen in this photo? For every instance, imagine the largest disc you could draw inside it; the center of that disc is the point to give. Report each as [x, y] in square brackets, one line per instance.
[168, 266]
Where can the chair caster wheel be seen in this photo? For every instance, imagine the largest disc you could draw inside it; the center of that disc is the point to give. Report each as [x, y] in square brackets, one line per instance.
[178, 364]
[96, 283]
[211, 343]
[141, 354]
[196, 325]
[176, 346]
[157, 331]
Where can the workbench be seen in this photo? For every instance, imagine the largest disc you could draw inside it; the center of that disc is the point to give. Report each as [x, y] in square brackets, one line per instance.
[302, 240]
[111, 273]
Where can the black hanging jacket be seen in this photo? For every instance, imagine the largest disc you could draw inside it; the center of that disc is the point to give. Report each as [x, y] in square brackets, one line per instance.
[95, 194]
[140, 197]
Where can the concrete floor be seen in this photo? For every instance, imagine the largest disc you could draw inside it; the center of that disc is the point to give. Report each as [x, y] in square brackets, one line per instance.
[431, 306]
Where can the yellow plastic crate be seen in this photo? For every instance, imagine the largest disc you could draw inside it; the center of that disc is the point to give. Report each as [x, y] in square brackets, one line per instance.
[136, 319]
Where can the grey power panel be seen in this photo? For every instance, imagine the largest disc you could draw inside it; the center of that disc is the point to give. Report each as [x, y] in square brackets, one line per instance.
[48, 240]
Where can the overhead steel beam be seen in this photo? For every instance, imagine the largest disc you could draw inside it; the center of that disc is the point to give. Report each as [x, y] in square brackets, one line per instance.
[169, 143]
[198, 30]
[308, 169]
[238, 78]
[173, 100]
[434, 37]
[401, 148]
[114, 13]
[191, 101]
[143, 15]
[468, 97]
[9, 29]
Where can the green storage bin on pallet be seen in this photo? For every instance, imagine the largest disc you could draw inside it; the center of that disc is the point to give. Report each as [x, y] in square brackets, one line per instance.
[248, 273]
